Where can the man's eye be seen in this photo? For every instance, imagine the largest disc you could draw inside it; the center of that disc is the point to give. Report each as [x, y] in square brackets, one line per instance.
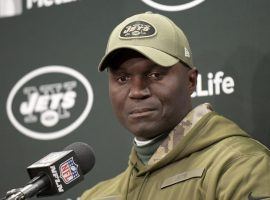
[155, 75]
[122, 79]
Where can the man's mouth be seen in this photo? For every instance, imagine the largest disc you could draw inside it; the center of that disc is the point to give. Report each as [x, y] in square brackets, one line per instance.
[141, 112]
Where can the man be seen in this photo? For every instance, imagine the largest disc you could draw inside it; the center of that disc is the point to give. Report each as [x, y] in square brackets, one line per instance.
[179, 152]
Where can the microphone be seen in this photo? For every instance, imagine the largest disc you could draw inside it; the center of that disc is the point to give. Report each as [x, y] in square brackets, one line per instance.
[56, 172]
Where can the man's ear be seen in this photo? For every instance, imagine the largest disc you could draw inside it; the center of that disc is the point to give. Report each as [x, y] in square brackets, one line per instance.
[192, 77]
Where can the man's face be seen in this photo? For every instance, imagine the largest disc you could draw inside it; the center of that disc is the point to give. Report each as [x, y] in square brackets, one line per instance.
[148, 99]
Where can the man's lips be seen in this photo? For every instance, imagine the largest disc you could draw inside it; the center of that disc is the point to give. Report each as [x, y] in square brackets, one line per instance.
[141, 112]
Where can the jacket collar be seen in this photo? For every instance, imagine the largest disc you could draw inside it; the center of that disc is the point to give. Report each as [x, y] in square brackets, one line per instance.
[173, 138]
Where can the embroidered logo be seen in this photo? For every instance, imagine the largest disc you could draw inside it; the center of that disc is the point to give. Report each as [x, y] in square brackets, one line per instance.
[187, 54]
[138, 29]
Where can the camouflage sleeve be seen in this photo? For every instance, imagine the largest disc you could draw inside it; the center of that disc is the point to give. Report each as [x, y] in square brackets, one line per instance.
[247, 178]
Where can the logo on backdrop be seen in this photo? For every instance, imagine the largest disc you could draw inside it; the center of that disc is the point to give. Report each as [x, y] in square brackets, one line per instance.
[216, 84]
[10, 8]
[173, 8]
[49, 102]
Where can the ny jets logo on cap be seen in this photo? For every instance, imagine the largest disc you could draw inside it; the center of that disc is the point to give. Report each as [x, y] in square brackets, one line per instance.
[138, 29]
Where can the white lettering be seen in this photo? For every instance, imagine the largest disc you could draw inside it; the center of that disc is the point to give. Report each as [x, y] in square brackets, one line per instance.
[146, 28]
[136, 29]
[228, 85]
[57, 179]
[55, 100]
[187, 54]
[218, 81]
[51, 99]
[216, 84]
[210, 84]
[200, 92]
[27, 108]
[58, 2]
[45, 3]
[68, 100]
[29, 3]
[42, 103]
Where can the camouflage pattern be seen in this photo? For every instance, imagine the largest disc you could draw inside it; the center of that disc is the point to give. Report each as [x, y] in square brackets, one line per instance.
[180, 131]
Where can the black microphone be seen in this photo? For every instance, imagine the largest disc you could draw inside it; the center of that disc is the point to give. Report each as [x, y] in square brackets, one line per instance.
[56, 172]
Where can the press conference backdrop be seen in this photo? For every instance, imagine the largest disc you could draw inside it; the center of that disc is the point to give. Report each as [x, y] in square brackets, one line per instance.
[52, 93]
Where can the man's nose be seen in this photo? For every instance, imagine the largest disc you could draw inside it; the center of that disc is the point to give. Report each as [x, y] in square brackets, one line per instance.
[139, 89]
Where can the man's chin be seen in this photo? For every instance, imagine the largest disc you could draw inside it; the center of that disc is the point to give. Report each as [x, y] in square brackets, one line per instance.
[144, 133]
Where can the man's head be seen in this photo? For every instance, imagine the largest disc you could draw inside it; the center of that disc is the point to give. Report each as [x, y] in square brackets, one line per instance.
[151, 74]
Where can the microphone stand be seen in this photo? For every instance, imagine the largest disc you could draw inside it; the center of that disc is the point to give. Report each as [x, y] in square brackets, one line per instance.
[14, 194]
[36, 185]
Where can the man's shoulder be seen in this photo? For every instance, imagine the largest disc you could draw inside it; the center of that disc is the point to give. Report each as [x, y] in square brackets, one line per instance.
[230, 137]
[244, 163]
[239, 150]
[239, 145]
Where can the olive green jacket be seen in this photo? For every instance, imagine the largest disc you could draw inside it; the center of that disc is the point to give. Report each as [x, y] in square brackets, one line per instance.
[205, 157]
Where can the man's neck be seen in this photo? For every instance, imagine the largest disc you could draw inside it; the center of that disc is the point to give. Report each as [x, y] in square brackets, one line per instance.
[146, 148]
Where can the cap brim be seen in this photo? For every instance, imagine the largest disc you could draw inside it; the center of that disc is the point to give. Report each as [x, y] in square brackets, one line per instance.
[157, 56]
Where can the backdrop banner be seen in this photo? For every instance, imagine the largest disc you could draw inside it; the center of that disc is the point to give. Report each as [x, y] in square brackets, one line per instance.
[53, 95]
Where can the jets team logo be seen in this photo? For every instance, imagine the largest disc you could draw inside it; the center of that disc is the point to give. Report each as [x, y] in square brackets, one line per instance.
[69, 171]
[172, 8]
[138, 29]
[49, 102]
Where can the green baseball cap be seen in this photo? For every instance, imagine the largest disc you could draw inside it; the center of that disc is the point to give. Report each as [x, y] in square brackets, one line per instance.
[154, 36]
